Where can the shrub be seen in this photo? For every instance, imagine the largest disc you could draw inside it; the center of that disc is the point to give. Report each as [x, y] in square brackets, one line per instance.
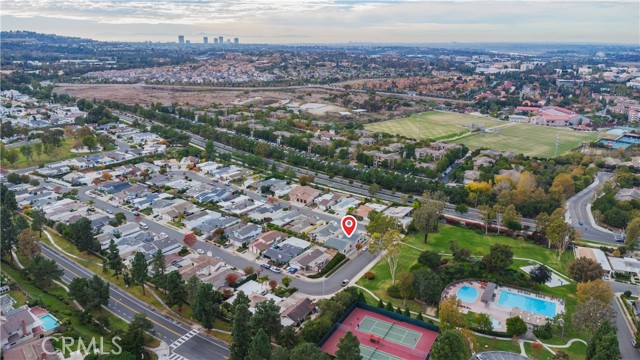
[369, 275]
[394, 292]
[627, 294]
[542, 333]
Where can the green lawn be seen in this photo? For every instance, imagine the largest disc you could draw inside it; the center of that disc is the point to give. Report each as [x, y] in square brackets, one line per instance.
[432, 124]
[532, 140]
[62, 153]
[479, 244]
[541, 354]
[497, 344]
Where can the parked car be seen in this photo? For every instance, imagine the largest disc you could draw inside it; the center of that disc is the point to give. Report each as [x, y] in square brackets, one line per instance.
[135, 213]
[266, 266]
[345, 282]
[200, 251]
[292, 269]
[275, 269]
[109, 211]
[580, 222]
[634, 343]
[144, 226]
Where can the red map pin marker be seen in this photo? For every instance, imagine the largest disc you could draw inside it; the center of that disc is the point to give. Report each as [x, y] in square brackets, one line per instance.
[349, 224]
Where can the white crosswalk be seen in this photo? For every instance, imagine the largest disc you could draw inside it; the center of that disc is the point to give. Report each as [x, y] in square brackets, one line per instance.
[175, 356]
[183, 339]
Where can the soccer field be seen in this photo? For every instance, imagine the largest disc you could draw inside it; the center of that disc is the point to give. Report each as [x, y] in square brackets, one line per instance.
[531, 140]
[432, 125]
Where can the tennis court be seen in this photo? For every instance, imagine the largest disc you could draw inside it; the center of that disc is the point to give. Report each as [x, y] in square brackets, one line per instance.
[390, 331]
[368, 353]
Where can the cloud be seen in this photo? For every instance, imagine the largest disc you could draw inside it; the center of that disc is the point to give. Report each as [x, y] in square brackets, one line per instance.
[332, 20]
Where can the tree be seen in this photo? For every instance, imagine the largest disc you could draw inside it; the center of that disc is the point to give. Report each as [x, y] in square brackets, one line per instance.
[516, 326]
[176, 290]
[584, 269]
[267, 318]
[43, 271]
[27, 152]
[461, 209]
[78, 290]
[28, 247]
[240, 332]
[431, 259]
[632, 234]
[204, 308]
[488, 215]
[82, 235]
[37, 149]
[113, 259]
[603, 343]
[280, 353]
[427, 285]
[158, 269]
[499, 258]
[307, 351]
[305, 179]
[38, 220]
[348, 348]
[232, 279]
[260, 348]
[11, 156]
[192, 289]
[7, 230]
[483, 322]
[286, 281]
[559, 233]
[596, 289]
[90, 142]
[133, 338]
[591, 314]
[540, 274]
[449, 313]
[450, 345]
[210, 150]
[190, 239]
[405, 286]
[139, 270]
[511, 218]
[288, 337]
[373, 189]
[389, 242]
[426, 217]
[97, 293]
[381, 223]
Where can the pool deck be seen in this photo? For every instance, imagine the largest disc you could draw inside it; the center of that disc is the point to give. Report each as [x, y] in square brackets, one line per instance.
[499, 312]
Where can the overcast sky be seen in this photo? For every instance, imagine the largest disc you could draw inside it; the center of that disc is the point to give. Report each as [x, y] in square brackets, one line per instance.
[331, 21]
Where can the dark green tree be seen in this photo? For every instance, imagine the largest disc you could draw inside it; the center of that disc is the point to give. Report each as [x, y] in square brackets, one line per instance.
[280, 353]
[603, 343]
[499, 258]
[82, 235]
[43, 271]
[176, 290]
[267, 317]
[113, 259]
[205, 309]
[8, 234]
[260, 348]
[540, 274]
[307, 351]
[240, 332]
[430, 259]
[288, 337]
[158, 270]
[38, 220]
[516, 326]
[450, 345]
[139, 270]
[427, 285]
[348, 348]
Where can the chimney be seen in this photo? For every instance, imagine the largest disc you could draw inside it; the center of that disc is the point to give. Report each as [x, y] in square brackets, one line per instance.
[24, 328]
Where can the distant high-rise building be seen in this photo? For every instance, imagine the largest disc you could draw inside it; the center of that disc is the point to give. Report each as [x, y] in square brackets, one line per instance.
[236, 41]
[180, 39]
[220, 40]
[188, 41]
[215, 40]
[205, 40]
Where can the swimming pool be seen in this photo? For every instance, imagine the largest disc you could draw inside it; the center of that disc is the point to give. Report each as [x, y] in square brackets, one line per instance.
[49, 322]
[467, 294]
[527, 303]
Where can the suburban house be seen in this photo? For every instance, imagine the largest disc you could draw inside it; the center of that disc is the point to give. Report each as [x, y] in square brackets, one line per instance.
[303, 194]
[19, 326]
[295, 314]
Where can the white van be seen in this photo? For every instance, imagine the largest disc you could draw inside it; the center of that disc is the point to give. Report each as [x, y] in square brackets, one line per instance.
[144, 226]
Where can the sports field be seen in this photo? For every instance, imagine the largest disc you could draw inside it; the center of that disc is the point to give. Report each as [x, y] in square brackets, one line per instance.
[432, 125]
[531, 140]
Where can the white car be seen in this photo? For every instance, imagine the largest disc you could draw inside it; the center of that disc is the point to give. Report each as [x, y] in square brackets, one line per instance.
[200, 251]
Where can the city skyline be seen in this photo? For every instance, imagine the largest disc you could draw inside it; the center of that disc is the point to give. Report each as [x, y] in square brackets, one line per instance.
[328, 21]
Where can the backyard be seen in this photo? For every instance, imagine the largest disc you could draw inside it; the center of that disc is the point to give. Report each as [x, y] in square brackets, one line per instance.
[432, 125]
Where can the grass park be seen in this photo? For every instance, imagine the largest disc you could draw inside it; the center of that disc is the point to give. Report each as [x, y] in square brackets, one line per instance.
[433, 125]
[531, 140]
[479, 245]
[62, 153]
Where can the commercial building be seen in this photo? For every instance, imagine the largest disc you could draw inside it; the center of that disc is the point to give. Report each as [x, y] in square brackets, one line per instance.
[205, 40]
[180, 39]
[220, 40]
[236, 41]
